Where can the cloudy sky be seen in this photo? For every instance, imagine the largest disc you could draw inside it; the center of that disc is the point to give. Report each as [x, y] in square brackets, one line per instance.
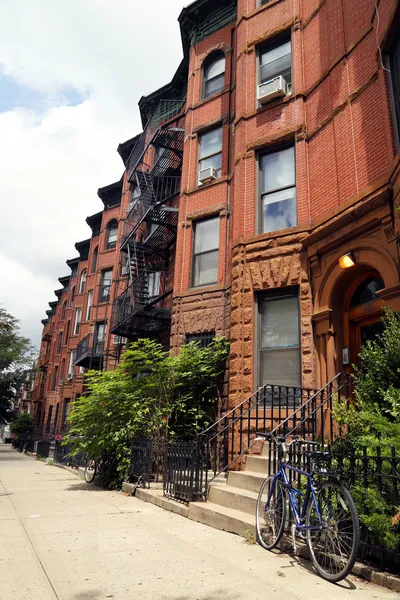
[71, 75]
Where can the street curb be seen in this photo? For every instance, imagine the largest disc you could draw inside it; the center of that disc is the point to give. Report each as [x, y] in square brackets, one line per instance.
[160, 501]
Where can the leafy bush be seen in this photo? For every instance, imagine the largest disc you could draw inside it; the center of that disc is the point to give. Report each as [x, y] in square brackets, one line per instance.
[151, 393]
[22, 424]
[372, 421]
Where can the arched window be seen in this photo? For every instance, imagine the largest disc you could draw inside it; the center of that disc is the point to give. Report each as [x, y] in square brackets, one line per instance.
[213, 74]
[366, 291]
[64, 310]
[112, 233]
[82, 283]
[94, 260]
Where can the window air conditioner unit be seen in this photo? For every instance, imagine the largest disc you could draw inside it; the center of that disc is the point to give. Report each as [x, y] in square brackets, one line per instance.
[69, 376]
[208, 174]
[275, 88]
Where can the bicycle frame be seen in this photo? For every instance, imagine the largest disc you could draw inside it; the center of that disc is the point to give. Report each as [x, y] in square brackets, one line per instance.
[309, 496]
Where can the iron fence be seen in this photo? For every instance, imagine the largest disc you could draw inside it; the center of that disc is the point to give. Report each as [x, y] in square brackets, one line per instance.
[147, 461]
[62, 456]
[43, 449]
[184, 471]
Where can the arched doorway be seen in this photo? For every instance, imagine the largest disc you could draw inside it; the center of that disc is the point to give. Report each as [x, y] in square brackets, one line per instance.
[362, 315]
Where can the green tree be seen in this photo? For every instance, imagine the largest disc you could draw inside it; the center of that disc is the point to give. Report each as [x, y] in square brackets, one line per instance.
[151, 393]
[22, 424]
[16, 354]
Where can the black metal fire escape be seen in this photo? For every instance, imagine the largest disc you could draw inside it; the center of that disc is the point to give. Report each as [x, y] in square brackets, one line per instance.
[144, 308]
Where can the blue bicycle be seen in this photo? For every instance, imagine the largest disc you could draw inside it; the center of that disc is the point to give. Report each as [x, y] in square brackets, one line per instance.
[324, 514]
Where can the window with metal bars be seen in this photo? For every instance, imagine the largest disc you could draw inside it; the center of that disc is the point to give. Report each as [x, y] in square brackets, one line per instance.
[203, 339]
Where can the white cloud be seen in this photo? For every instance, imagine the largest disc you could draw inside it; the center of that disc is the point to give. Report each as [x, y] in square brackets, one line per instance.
[53, 161]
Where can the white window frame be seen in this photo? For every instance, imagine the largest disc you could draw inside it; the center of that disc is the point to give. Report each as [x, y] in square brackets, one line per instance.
[82, 282]
[201, 158]
[78, 319]
[89, 304]
[71, 367]
[195, 281]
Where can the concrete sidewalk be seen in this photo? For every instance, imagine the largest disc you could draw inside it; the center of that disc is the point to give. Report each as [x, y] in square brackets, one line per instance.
[60, 538]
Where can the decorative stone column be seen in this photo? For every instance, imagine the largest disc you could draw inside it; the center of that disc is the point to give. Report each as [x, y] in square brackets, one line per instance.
[325, 344]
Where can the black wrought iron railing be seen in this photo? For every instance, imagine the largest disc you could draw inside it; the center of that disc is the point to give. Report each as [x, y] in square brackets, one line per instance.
[184, 474]
[145, 302]
[314, 419]
[165, 110]
[88, 347]
[150, 206]
[62, 456]
[147, 461]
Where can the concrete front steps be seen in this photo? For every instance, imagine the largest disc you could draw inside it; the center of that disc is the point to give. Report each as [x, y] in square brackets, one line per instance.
[231, 506]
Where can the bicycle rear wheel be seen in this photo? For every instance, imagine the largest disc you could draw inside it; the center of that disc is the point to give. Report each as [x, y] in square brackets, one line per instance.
[333, 550]
[270, 513]
[90, 470]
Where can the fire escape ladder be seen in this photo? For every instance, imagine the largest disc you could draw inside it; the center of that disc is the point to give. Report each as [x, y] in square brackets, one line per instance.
[280, 410]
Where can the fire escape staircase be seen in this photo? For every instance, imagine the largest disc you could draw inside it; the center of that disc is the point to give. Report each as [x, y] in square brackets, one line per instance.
[144, 308]
[235, 464]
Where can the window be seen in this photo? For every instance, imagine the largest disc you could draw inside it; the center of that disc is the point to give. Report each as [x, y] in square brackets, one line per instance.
[94, 259]
[71, 364]
[203, 339]
[158, 152]
[67, 410]
[278, 190]
[82, 283]
[205, 252]
[124, 264]
[262, 2]
[279, 340]
[49, 416]
[100, 335]
[105, 285]
[64, 310]
[153, 283]
[210, 153]
[89, 304]
[62, 373]
[55, 377]
[112, 233]
[67, 332]
[213, 75]
[275, 60]
[366, 291]
[78, 318]
[394, 65]
[135, 195]
[59, 342]
[56, 418]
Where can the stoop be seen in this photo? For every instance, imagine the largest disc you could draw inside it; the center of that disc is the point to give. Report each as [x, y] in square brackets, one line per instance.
[231, 506]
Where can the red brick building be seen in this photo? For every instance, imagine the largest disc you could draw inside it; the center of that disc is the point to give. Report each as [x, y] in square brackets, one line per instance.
[269, 163]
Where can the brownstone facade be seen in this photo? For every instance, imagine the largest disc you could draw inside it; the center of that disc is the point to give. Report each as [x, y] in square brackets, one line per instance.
[326, 146]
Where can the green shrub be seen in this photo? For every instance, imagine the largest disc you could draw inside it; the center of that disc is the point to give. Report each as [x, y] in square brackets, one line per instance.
[151, 393]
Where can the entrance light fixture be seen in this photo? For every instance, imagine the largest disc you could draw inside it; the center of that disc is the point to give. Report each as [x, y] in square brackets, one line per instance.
[346, 261]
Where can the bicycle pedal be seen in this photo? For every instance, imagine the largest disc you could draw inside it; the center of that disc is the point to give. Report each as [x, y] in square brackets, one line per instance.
[293, 530]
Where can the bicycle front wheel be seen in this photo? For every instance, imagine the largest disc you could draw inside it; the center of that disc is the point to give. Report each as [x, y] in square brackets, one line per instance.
[270, 513]
[90, 470]
[333, 549]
